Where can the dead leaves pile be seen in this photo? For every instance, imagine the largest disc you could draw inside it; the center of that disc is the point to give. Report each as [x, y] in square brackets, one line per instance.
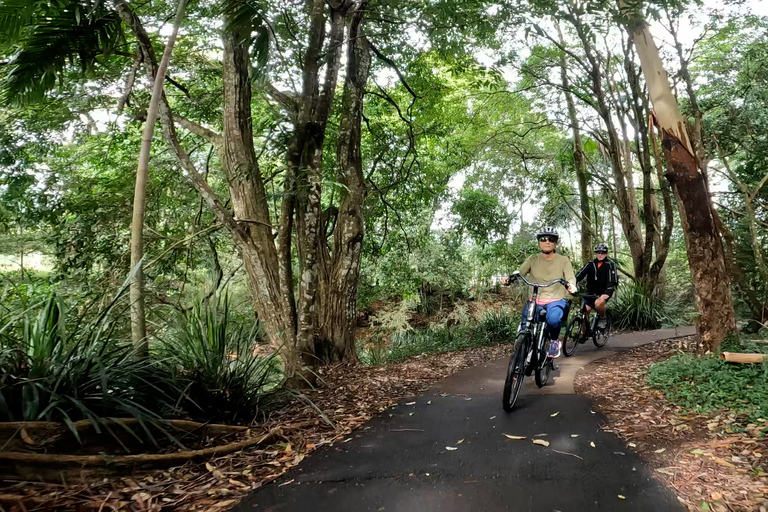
[349, 396]
[708, 463]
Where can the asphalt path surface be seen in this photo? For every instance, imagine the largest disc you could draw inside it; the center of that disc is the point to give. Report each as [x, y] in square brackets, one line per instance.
[446, 450]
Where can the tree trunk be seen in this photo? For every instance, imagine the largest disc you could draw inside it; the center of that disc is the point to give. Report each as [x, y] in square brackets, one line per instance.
[249, 202]
[628, 211]
[138, 319]
[578, 160]
[705, 253]
[341, 269]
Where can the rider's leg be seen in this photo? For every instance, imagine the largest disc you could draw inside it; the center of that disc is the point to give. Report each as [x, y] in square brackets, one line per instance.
[555, 312]
[600, 307]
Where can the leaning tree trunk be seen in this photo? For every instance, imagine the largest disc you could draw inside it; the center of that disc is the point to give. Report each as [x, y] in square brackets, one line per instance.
[705, 252]
[138, 319]
[338, 300]
[578, 160]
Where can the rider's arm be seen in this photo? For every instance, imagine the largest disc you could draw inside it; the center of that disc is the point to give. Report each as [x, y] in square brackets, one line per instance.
[583, 272]
[612, 279]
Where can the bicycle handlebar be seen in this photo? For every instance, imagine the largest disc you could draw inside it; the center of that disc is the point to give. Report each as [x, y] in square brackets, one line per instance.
[518, 275]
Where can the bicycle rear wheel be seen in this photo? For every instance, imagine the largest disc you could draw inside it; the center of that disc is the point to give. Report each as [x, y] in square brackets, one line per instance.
[515, 372]
[600, 336]
[572, 336]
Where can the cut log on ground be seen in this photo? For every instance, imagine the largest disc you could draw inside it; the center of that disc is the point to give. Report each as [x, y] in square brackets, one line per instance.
[736, 357]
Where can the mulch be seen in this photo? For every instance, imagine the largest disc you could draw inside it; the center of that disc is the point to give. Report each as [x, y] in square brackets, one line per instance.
[715, 461]
[348, 397]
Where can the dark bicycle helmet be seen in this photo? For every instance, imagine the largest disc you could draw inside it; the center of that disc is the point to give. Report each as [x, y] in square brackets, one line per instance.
[601, 248]
[547, 231]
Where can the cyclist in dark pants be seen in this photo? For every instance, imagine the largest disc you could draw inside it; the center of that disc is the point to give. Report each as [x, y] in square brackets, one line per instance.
[602, 281]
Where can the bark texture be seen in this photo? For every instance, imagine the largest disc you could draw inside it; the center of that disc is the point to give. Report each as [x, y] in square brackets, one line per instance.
[705, 252]
[340, 268]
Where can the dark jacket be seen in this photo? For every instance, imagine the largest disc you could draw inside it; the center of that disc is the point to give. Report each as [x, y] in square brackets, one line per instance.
[603, 280]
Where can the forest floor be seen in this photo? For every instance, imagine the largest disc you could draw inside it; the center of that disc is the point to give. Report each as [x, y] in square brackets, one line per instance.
[710, 462]
[707, 468]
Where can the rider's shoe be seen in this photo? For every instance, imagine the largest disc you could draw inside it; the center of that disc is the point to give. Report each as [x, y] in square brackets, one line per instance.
[602, 323]
[554, 349]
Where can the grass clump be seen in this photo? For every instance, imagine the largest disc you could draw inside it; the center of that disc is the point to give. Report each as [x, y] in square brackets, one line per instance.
[56, 369]
[708, 384]
[211, 355]
[636, 309]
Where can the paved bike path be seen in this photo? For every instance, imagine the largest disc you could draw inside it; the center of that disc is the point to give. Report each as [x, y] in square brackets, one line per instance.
[404, 459]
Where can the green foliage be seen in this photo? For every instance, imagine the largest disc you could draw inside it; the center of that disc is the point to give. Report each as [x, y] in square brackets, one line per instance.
[214, 358]
[482, 216]
[635, 308]
[48, 36]
[709, 384]
[494, 327]
[59, 370]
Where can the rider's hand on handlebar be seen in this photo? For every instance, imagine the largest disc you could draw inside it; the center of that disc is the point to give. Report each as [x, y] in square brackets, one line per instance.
[571, 288]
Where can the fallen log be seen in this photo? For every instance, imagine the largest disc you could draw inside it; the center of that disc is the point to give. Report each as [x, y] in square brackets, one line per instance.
[737, 357]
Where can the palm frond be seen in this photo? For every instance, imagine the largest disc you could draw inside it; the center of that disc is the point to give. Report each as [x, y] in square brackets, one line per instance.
[48, 36]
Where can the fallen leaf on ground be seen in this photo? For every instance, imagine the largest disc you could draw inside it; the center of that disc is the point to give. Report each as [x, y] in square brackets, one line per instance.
[540, 435]
[622, 497]
[574, 435]
[592, 444]
[660, 450]
[541, 442]
[459, 441]
[410, 403]
[553, 415]
[451, 448]
[514, 437]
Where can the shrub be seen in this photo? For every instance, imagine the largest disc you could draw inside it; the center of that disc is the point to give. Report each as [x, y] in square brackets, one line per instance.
[55, 371]
[212, 356]
[635, 308]
[705, 384]
[494, 327]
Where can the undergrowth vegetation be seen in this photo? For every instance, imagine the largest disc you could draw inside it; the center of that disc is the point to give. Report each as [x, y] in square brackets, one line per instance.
[493, 327]
[212, 356]
[709, 384]
[57, 366]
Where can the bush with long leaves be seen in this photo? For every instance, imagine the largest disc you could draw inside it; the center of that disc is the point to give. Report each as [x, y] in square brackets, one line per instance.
[52, 371]
[213, 356]
[635, 308]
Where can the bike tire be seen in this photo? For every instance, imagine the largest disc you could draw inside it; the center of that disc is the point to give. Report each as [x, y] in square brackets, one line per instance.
[572, 337]
[515, 373]
[600, 336]
[541, 375]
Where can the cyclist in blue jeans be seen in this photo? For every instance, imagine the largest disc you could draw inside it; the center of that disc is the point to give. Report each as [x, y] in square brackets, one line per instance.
[543, 268]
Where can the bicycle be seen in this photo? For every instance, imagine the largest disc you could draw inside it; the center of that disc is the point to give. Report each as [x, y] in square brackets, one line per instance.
[580, 328]
[525, 360]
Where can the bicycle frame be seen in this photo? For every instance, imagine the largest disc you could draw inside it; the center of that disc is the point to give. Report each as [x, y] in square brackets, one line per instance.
[532, 324]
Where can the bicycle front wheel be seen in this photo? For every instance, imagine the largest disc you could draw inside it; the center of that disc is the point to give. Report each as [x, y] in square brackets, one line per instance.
[544, 365]
[515, 372]
[572, 337]
[600, 336]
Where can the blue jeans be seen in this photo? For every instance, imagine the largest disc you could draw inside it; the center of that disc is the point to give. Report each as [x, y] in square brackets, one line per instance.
[555, 312]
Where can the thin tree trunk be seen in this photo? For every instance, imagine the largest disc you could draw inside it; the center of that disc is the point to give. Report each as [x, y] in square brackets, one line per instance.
[705, 252]
[578, 159]
[138, 319]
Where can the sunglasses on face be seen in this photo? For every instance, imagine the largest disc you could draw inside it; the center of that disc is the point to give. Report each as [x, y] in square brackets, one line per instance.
[601, 252]
[549, 239]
